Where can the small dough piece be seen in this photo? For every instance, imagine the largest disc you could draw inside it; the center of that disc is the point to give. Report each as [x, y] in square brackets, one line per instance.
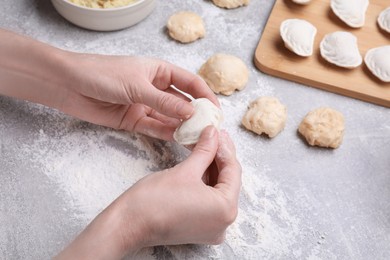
[229, 4]
[351, 12]
[186, 27]
[205, 114]
[384, 20]
[301, 2]
[224, 73]
[298, 36]
[265, 115]
[378, 62]
[323, 127]
[341, 49]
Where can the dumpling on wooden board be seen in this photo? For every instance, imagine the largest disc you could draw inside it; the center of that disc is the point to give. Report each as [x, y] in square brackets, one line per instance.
[384, 20]
[378, 62]
[302, 2]
[351, 12]
[298, 36]
[340, 48]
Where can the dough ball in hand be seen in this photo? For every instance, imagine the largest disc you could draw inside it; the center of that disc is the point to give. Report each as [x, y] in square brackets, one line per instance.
[205, 114]
[229, 4]
[323, 127]
[265, 115]
[224, 73]
[186, 27]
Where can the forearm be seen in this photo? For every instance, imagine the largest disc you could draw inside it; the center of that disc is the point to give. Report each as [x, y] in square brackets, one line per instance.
[32, 70]
[116, 232]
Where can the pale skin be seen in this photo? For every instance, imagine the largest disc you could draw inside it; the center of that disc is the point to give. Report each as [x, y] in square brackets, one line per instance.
[193, 202]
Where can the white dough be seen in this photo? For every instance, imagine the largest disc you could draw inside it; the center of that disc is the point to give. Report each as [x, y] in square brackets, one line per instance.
[384, 20]
[351, 12]
[186, 26]
[323, 127]
[224, 73]
[298, 36]
[378, 62]
[205, 114]
[341, 49]
[229, 4]
[265, 115]
[302, 2]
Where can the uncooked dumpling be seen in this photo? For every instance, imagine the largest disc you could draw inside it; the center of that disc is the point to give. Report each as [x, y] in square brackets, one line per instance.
[205, 114]
[186, 27]
[229, 4]
[378, 62]
[351, 12]
[323, 127]
[384, 20]
[298, 36]
[341, 49]
[265, 115]
[301, 2]
[224, 73]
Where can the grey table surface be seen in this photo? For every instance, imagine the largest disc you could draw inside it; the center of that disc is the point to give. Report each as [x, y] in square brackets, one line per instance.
[297, 202]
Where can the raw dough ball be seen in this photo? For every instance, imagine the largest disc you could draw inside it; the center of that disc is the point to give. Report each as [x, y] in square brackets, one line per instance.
[265, 115]
[323, 127]
[229, 4]
[186, 27]
[224, 73]
[205, 114]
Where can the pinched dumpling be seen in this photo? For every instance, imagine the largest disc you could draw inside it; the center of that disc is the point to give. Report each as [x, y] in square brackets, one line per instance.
[185, 26]
[351, 12]
[384, 20]
[224, 73]
[378, 62]
[265, 115]
[301, 2]
[323, 127]
[229, 4]
[298, 36]
[205, 114]
[341, 49]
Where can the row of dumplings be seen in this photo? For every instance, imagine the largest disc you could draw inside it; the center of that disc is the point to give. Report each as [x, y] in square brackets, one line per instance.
[339, 48]
[353, 12]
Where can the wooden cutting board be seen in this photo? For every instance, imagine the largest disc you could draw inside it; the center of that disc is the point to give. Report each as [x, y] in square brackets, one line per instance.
[273, 58]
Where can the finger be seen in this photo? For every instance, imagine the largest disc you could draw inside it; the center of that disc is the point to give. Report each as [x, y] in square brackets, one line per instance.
[165, 103]
[154, 128]
[204, 152]
[169, 121]
[185, 81]
[145, 120]
[229, 178]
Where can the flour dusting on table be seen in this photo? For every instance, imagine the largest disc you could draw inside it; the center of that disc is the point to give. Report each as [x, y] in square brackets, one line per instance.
[93, 165]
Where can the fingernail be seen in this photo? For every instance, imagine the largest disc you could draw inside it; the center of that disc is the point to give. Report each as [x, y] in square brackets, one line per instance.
[184, 109]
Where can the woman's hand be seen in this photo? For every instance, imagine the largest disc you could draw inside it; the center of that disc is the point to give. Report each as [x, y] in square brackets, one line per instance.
[132, 93]
[121, 92]
[193, 202]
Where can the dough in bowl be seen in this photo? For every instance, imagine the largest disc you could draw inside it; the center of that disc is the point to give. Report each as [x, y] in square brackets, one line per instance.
[229, 4]
[265, 115]
[186, 27]
[224, 73]
[205, 114]
[323, 127]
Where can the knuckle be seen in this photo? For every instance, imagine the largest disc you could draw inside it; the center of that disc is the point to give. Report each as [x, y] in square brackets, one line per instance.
[163, 102]
[229, 214]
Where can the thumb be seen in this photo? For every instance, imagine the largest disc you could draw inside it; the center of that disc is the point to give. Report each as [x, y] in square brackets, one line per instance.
[204, 152]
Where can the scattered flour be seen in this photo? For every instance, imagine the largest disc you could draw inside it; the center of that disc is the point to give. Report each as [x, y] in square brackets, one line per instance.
[93, 165]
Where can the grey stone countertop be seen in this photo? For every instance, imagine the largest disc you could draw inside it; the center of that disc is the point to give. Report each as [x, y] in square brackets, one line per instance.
[297, 202]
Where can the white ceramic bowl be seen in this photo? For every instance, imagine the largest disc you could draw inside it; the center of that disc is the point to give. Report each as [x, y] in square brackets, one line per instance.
[109, 19]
